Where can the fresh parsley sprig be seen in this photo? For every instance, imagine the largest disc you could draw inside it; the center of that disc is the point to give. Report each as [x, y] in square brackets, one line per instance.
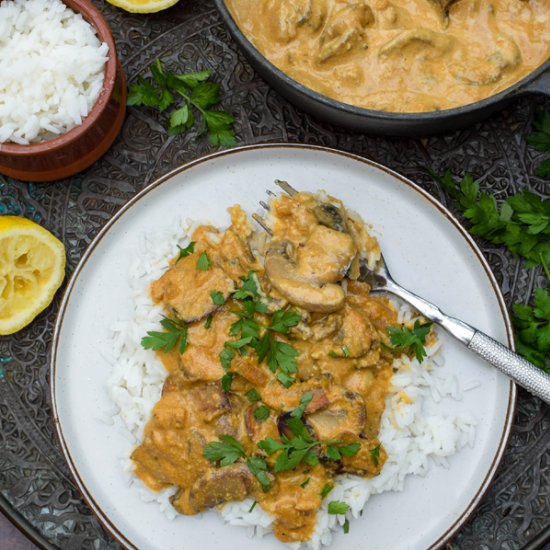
[521, 222]
[197, 95]
[187, 251]
[532, 324]
[175, 333]
[226, 451]
[540, 140]
[406, 339]
[299, 448]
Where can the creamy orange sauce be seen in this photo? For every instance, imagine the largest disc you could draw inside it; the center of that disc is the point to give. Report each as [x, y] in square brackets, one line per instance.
[342, 364]
[400, 55]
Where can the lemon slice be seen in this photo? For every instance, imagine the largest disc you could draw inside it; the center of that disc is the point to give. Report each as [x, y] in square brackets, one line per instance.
[143, 6]
[32, 268]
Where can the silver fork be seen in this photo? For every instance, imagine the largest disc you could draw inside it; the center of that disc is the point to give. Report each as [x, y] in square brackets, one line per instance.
[510, 363]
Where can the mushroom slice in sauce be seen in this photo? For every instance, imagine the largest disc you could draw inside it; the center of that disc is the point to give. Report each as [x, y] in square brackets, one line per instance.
[346, 414]
[216, 486]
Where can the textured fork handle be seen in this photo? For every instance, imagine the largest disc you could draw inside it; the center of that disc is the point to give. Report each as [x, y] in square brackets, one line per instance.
[518, 369]
[521, 371]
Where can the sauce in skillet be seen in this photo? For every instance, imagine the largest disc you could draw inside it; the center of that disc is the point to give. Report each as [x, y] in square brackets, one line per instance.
[400, 55]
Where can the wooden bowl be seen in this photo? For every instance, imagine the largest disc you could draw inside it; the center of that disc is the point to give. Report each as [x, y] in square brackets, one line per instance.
[80, 147]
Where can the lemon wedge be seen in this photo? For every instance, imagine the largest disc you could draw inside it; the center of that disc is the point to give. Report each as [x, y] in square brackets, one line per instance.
[143, 6]
[32, 268]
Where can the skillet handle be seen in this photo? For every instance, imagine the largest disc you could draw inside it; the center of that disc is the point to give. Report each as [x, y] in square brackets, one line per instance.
[540, 85]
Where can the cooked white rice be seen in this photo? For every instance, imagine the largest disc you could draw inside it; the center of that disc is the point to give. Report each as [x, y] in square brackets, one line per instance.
[51, 69]
[416, 430]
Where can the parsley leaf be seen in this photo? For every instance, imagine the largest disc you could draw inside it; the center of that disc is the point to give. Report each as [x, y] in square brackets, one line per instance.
[345, 527]
[305, 400]
[283, 320]
[208, 322]
[327, 488]
[337, 507]
[217, 298]
[203, 263]
[375, 454]
[305, 483]
[258, 468]
[521, 222]
[532, 324]
[198, 95]
[184, 252]
[405, 339]
[253, 395]
[175, 333]
[226, 451]
[261, 413]
[540, 138]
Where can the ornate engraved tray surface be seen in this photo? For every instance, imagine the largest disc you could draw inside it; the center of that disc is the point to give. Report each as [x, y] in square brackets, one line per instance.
[36, 490]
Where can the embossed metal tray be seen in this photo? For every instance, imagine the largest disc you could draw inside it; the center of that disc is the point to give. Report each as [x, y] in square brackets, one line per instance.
[36, 490]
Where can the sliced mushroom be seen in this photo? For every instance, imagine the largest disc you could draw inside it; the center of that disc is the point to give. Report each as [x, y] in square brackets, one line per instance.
[283, 275]
[344, 30]
[209, 401]
[346, 414]
[490, 68]
[438, 42]
[325, 256]
[330, 216]
[172, 289]
[316, 327]
[216, 486]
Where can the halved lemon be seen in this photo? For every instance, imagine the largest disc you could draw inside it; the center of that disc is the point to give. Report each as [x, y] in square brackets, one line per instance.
[32, 268]
[143, 6]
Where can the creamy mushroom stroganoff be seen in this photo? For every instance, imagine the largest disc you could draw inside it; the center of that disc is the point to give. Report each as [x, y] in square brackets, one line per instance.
[400, 55]
[262, 380]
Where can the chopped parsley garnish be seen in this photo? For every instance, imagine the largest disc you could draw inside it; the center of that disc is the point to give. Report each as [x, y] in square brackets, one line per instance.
[305, 400]
[193, 95]
[327, 488]
[405, 339]
[249, 288]
[203, 263]
[184, 252]
[217, 298]
[262, 413]
[258, 468]
[280, 356]
[345, 527]
[252, 507]
[336, 453]
[345, 353]
[253, 395]
[208, 322]
[305, 483]
[175, 333]
[294, 450]
[375, 454]
[337, 507]
[226, 451]
[282, 320]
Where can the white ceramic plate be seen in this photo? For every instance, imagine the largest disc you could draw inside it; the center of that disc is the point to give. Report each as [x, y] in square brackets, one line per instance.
[426, 250]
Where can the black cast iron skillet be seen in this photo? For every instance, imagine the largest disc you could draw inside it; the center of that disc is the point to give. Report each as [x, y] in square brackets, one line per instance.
[381, 122]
